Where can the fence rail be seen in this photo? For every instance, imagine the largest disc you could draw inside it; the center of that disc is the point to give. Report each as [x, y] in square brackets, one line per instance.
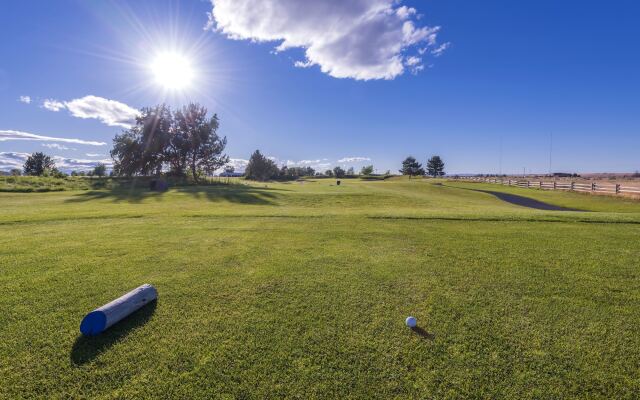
[593, 187]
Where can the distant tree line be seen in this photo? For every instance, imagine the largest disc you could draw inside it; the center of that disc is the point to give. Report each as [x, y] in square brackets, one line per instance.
[186, 142]
[261, 168]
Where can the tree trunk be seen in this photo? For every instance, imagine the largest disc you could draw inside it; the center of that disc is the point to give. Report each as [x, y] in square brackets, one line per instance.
[193, 169]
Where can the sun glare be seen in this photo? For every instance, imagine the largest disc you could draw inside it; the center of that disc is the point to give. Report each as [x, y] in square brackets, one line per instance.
[172, 71]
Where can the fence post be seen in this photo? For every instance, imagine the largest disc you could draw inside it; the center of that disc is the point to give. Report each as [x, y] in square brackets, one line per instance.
[593, 186]
[540, 184]
[617, 188]
[573, 185]
[528, 184]
[554, 185]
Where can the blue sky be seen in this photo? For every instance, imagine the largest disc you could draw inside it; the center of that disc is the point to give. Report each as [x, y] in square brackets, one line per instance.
[496, 74]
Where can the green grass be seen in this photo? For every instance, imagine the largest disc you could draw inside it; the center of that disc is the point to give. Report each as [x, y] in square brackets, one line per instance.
[301, 289]
[38, 184]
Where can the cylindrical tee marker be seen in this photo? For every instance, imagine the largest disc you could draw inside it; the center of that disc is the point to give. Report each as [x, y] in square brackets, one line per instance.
[100, 319]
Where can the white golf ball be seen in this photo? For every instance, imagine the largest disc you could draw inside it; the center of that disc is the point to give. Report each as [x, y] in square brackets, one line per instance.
[411, 322]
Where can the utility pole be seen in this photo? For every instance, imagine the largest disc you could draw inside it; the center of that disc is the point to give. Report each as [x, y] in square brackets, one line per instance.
[550, 154]
[500, 158]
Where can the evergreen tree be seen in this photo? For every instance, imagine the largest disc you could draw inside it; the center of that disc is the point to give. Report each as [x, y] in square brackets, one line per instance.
[435, 166]
[260, 168]
[411, 167]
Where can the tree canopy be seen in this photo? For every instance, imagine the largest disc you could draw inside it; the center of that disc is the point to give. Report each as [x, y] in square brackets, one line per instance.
[435, 166]
[366, 170]
[100, 170]
[37, 164]
[411, 167]
[338, 172]
[260, 168]
[182, 141]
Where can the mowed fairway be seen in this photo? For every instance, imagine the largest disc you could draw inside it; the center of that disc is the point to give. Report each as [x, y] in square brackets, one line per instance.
[301, 290]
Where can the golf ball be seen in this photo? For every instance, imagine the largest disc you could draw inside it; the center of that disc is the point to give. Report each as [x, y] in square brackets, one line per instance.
[411, 322]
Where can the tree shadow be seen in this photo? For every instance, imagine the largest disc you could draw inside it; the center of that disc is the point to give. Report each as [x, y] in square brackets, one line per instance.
[116, 195]
[242, 194]
[423, 333]
[233, 193]
[87, 348]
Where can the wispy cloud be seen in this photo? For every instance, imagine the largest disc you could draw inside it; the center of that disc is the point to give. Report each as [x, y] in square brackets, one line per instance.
[53, 105]
[57, 146]
[11, 159]
[25, 99]
[318, 164]
[359, 39]
[6, 135]
[94, 155]
[353, 159]
[109, 112]
[440, 49]
[74, 164]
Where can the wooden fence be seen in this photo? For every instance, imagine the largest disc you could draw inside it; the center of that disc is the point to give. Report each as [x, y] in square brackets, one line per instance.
[593, 187]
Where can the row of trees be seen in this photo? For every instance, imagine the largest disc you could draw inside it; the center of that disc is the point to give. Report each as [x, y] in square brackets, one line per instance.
[181, 142]
[411, 167]
[186, 141]
[40, 164]
[261, 168]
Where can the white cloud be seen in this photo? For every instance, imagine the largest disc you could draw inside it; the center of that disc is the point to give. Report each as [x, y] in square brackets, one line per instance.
[109, 112]
[359, 39]
[413, 60]
[94, 155]
[353, 159]
[73, 164]
[405, 12]
[25, 99]
[238, 164]
[57, 146]
[440, 49]
[6, 135]
[11, 159]
[53, 105]
[303, 163]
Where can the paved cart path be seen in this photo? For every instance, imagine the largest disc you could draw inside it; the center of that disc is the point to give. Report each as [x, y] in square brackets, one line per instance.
[522, 201]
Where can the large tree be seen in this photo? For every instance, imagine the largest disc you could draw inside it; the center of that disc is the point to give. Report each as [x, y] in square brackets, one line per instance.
[435, 166]
[260, 168]
[37, 164]
[195, 141]
[142, 149]
[338, 172]
[181, 141]
[411, 167]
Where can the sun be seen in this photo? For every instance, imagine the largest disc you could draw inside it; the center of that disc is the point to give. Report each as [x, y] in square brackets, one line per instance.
[173, 71]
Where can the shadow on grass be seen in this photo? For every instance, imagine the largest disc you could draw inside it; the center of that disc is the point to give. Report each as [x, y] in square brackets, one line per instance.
[423, 333]
[243, 194]
[87, 348]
